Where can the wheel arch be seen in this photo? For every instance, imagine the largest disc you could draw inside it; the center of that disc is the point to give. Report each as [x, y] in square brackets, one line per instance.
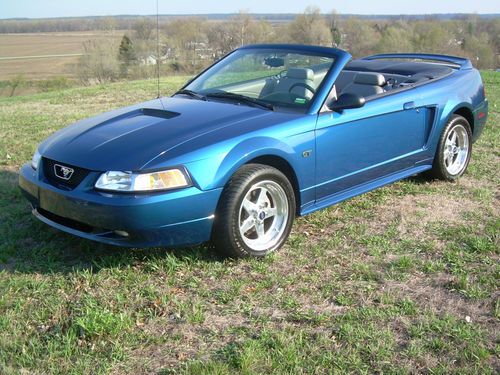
[266, 151]
[458, 107]
[284, 167]
[465, 112]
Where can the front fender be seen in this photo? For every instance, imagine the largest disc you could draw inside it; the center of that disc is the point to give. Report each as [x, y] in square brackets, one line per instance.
[215, 171]
[250, 149]
[292, 141]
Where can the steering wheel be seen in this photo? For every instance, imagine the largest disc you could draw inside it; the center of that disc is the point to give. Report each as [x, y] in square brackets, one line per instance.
[304, 85]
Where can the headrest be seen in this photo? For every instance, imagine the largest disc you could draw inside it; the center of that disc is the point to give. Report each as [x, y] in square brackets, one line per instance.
[372, 79]
[300, 73]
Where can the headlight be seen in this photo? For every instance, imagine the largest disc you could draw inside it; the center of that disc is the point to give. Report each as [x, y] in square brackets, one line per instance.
[35, 160]
[137, 182]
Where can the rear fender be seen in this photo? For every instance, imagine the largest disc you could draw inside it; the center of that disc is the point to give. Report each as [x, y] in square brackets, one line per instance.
[444, 117]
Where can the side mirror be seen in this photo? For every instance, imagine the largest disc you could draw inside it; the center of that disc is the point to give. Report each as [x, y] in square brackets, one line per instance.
[346, 101]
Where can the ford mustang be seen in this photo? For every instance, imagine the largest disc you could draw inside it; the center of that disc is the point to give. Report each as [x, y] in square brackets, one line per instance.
[267, 133]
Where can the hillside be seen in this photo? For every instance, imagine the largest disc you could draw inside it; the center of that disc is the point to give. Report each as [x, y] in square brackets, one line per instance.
[404, 279]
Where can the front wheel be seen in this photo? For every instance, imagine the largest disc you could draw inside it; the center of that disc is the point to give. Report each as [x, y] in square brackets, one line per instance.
[255, 213]
[454, 150]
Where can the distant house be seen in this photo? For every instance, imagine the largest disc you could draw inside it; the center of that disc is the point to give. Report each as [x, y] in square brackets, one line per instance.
[150, 60]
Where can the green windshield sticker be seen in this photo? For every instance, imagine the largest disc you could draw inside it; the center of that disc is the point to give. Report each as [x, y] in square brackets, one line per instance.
[300, 101]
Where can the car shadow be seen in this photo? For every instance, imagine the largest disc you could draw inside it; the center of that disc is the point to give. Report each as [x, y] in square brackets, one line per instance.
[421, 178]
[30, 246]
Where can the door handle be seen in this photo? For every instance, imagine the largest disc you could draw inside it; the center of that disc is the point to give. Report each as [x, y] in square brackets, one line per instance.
[409, 105]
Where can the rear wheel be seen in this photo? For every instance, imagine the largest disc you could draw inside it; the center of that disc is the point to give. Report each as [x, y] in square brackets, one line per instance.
[454, 150]
[255, 213]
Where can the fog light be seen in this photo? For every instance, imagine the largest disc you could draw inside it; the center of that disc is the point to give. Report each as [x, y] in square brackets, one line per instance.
[121, 233]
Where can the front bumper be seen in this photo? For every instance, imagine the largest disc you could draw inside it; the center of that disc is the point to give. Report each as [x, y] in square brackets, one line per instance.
[175, 218]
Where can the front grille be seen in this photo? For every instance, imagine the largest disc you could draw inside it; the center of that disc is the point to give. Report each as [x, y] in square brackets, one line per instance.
[74, 179]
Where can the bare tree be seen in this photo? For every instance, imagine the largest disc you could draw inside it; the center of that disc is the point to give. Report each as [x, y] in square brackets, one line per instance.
[99, 63]
[249, 30]
[222, 39]
[187, 37]
[15, 83]
[143, 28]
[310, 27]
[334, 26]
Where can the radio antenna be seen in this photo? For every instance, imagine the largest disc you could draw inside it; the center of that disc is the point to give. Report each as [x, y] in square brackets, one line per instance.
[158, 48]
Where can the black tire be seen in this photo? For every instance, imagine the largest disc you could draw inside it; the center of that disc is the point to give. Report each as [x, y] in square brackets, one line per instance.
[226, 234]
[439, 168]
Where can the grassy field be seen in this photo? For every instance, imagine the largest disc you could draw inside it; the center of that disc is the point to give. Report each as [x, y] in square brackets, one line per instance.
[18, 53]
[404, 279]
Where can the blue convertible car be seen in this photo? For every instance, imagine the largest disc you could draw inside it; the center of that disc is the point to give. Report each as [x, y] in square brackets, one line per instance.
[267, 133]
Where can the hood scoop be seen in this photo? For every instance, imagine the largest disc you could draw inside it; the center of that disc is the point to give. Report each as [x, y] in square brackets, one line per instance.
[149, 112]
[160, 113]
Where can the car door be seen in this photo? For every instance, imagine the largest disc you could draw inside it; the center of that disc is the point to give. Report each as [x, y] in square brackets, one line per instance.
[360, 145]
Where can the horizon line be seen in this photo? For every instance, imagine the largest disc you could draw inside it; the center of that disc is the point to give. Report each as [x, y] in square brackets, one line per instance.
[252, 14]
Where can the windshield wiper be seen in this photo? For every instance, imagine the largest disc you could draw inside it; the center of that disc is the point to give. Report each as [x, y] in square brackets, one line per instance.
[240, 98]
[192, 94]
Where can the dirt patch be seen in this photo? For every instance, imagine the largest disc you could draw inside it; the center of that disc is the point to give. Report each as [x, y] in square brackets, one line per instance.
[433, 296]
[474, 183]
[192, 341]
[412, 213]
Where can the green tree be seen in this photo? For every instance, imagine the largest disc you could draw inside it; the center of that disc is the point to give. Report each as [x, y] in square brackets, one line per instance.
[479, 50]
[126, 55]
[395, 38]
[434, 36]
[361, 37]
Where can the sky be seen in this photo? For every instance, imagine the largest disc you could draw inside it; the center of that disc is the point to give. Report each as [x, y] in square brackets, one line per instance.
[77, 8]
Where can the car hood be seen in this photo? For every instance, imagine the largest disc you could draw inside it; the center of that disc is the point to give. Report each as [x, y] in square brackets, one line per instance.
[128, 138]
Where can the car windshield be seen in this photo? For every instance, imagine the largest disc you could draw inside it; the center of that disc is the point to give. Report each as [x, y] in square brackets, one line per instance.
[263, 77]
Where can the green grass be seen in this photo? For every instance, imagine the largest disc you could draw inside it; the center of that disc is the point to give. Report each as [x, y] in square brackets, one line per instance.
[400, 280]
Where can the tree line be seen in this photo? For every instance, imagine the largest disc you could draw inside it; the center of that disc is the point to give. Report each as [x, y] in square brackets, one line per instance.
[190, 43]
